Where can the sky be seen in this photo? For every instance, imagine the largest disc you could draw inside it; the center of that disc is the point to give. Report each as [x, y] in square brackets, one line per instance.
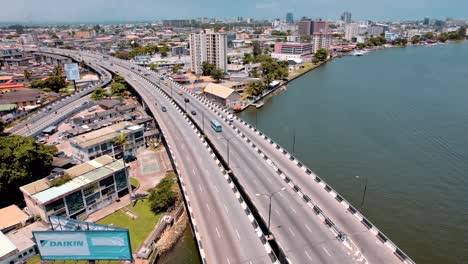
[38, 11]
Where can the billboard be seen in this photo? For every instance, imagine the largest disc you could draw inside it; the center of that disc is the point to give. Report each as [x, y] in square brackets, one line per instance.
[72, 72]
[83, 245]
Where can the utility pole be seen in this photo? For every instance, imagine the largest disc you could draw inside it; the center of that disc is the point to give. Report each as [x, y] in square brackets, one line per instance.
[269, 196]
[363, 193]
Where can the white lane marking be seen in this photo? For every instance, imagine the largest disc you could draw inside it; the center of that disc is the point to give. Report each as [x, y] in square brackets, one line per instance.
[216, 188]
[199, 186]
[229, 262]
[307, 254]
[208, 206]
[237, 233]
[194, 172]
[308, 228]
[217, 232]
[326, 251]
[225, 208]
[277, 212]
[268, 179]
[292, 233]
[293, 210]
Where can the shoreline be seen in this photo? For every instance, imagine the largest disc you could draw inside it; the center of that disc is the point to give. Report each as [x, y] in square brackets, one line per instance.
[369, 50]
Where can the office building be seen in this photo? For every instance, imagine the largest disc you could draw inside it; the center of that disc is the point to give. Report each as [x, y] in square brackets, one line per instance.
[210, 47]
[291, 50]
[351, 31]
[426, 21]
[289, 18]
[178, 22]
[320, 27]
[91, 186]
[98, 143]
[346, 17]
[18, 246]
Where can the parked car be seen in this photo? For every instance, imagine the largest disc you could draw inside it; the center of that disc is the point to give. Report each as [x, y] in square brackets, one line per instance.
[129, 158]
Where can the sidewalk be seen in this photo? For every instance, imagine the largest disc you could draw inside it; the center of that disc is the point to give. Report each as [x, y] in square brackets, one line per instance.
[111, 208]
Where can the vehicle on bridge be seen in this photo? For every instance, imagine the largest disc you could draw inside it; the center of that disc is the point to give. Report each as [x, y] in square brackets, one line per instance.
[164, 109]
[216, 126]
[180, 93]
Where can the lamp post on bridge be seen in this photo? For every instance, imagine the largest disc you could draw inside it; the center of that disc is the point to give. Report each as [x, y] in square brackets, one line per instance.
[364, 192]
[270, 196]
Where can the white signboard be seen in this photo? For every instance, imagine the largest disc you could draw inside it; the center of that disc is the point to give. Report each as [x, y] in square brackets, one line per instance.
[72, 72]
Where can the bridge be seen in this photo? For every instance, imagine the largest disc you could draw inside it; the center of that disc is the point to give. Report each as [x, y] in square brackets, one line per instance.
[310, 222]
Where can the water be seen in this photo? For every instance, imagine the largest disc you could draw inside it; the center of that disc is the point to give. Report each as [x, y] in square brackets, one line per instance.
[398, 117]
[184, 251]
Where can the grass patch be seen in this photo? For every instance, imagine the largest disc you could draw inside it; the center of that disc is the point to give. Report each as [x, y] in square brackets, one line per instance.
[307, 66]
[135, 183]
[140, 227]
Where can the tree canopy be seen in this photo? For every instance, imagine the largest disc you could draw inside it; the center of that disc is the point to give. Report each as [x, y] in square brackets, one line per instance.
[99, 93]
[118, 86]
[217, 74]
[321, 54]
[22, 160]
[162, 196]
[207, 68]
[55, 81]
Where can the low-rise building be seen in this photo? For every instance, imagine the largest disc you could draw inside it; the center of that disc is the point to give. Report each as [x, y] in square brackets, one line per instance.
[91, 186]
[223, 95]
[11, 217]
[97, 143]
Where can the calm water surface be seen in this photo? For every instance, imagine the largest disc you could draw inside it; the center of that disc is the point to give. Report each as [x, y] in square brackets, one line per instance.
[398, 117]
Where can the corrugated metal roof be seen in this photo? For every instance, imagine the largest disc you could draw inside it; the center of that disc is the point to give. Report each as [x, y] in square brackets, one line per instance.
[98, 172]
[102, 135]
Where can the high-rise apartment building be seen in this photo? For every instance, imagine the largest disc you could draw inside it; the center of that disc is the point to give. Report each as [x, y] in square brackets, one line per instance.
[320, 26]
[321, 41]
[351, 30]
[304, 27]
[289, 18]
[210, 47]
[346, 17]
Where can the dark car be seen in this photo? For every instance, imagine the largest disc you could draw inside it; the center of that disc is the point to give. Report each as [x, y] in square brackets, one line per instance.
[186, 100]
[193, 112]
[163, 109]
[129, 158]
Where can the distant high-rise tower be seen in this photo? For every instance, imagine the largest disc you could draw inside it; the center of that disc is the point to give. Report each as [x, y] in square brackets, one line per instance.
[210, 47]
[289, 18]
[426, 21]
[346, 17]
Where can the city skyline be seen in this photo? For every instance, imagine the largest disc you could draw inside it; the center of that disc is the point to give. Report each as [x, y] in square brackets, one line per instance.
[28, 11]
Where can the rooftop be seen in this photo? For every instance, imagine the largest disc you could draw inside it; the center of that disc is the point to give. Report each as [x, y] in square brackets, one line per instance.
[6, 246]
[104, 134]
[81, 175]
[218, 90]
[11, 216]
[23, 238]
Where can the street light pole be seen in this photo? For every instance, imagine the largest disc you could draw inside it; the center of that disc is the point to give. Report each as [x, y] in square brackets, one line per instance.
[294, 141]
[363, 193]
[270, 197]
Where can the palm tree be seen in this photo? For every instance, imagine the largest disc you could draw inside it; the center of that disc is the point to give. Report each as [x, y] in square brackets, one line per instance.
[122, 141]
[27, 74]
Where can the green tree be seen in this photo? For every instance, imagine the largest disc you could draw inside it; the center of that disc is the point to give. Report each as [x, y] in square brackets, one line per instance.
[119, 79]
[27, 74]
[400, 42]
[321, 54]
[442, 37]
[118, 89]
[207, 68]
[257, 50]
[429, 35]
[416, 39]
[360, 45]
[254, 88]
[162, 196]
[217, 74]
[176, 68]
[153, 66]
[22, 160]
[248, 59]
[164, 50]
[99, 93]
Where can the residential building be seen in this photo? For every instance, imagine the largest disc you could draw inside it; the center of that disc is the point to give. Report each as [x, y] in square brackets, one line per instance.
[293, 38]
[22, 98]
[11, 218]
[304, 27]
[178, 50]
[346, 17]
[98, 143]
[320, 27]
[289, 18]
[84, 34]
[390, 36]
[321, 41]
[223, 95]
[92, 186]
[210, 47]
[377, 29]
[351, 30]
[18, 246]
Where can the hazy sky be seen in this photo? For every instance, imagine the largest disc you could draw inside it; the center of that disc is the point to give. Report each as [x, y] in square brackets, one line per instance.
[132, 10]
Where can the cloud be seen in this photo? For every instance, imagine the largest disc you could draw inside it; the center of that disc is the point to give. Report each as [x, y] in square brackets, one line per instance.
[265, 5]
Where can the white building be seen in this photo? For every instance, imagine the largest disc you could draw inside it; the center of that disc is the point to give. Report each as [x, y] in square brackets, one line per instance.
[210, 47]
[321, 41]
[351, 30]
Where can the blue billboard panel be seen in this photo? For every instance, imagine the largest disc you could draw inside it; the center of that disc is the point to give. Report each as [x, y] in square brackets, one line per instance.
[83, 245]
[72, 72]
